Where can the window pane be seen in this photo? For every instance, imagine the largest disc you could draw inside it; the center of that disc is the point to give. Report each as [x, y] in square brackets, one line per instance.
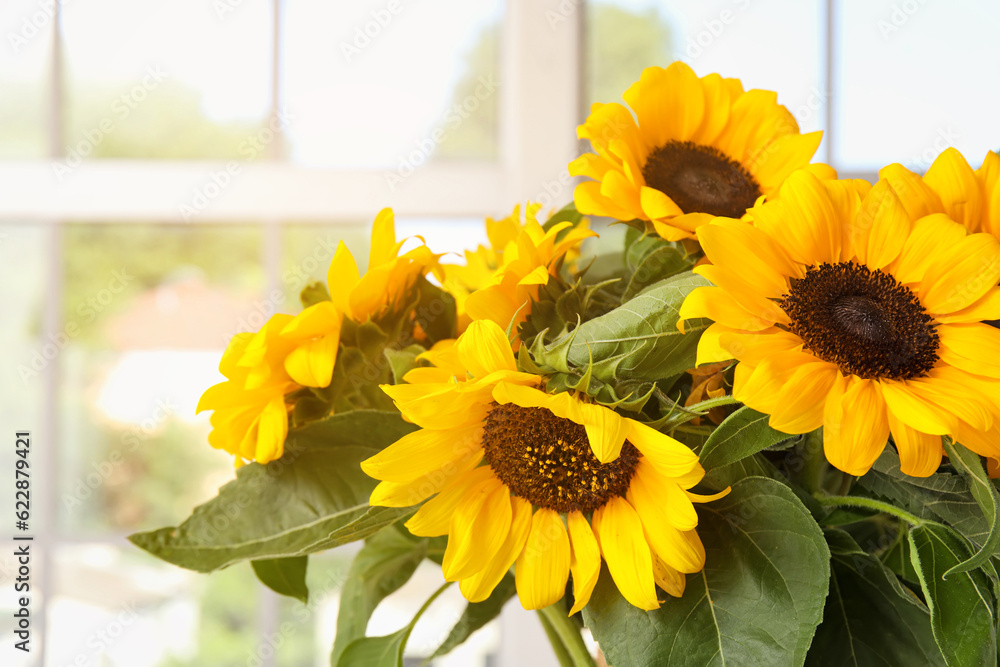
[381, 85]
[307, 250]
[776, 45]
[23, 265]
[165, 78]
[26, 27]
[148, 310]
[122, 608]
[914, 78]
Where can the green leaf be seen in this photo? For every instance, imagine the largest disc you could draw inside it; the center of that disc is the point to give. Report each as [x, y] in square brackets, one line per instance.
[384, 651]
[286, 576]
[435, 312]
[313, 498]
[566, 213]
[639, 340]
[663, 262]
[963, 608]
[985, 494]
[870, 619]
[943, 496]
[478, 614]
[314, 293]
[899, 560]
[386, 562]
[741, 434]
[402, 361]
[757, 602]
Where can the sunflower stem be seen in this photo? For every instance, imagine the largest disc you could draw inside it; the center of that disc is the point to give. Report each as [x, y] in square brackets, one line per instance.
[871, 504]
[568, 634]
[814, 470]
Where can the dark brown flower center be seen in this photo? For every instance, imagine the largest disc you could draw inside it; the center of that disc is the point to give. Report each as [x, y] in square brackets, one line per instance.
[701, 179]
[863, 320]
[547, 460]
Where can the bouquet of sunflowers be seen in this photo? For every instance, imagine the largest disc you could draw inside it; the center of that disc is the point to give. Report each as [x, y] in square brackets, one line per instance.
[760, 433]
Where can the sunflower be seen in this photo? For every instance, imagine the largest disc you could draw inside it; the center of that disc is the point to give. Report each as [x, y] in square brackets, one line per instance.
[846, 313]
[697, 148]
[383, 288]
[545, 483]
[499, 282]
[250, 417]
[951, 186]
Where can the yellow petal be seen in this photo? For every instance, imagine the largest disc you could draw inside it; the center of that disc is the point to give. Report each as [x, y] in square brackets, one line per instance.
[342, 277]
[670, 457]
[783, 156]
[719, 305]
[917, 413]
[669, 103]
[480, 585]
[272, 429]
[479, 527]
[590, 201]
[989, 178]
[917, 198]
[667, 578]
[750, 252]
[855, 427]
[951, 177]
[383, 248]
[919, 453]
[961, 274]
[606, 430]
[664, 493]
[974, 348]
[434, 517]
[538, 276]
[805, 218]
[656, 204]
[928, 236]
[311, 363]
[415, 491]
[484, 348]
[542, 569]
[799, 404]
[623, 543]
[421, 452]
[585, 559]
[986, 308]
[880, 227]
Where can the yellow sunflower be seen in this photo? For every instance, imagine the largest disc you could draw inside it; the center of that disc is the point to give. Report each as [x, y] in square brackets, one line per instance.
[951, 186]
[697, 148]
[498, 283]
[846, 313]
[385, 286]
[250, 417]
[545, 483]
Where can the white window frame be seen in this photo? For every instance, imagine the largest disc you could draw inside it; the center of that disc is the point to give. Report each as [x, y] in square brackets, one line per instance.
[539, 111]
[541, 79]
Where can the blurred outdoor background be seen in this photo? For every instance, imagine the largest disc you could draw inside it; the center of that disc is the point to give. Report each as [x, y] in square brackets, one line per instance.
[173, 172]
